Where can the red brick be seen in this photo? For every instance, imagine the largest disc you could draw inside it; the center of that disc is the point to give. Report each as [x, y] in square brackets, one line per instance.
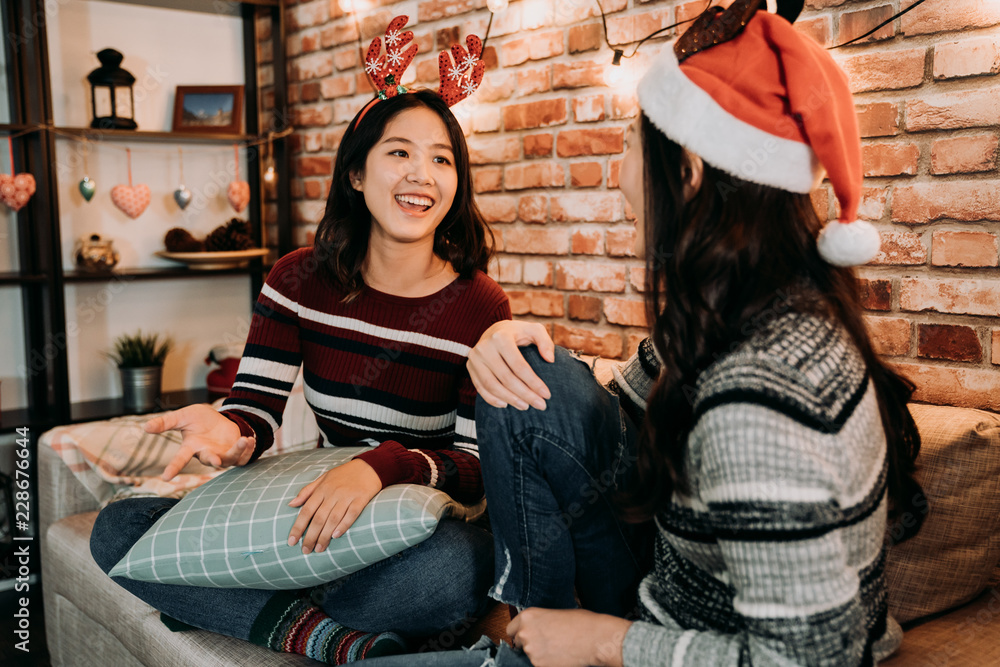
[585, 307]
[487, 179]
[587, 242]
[439, 9]
[498, 208]
[312, 141]
[855, 24]
[538, 145]
[309, 92]
[637, 278]
[890, 159]
[577, 75]
[631, 28]
[873, 201]
[948, 341]
[533, 80]
[344, 59]
[963, 249]
[954, 110]
[819, 29]
[875, 294]
[588, 109]
[537, 272]
[607, 345]
[585, 174]
[959, 155]
[964, 387]
[632, 342]
[314, 166]
[537, 241]
[627, 312]
[535, 15]
[337, 86]
[586, 207]
[996, 347]
[313, 189]
[624, 106]
[506, 270]
[931, 17]
[885, 70]
[495, 87]
[340, 32]
[890, 335]
[331, 138]
[537, 46]
[821, 202]
[967, 201]
[951, 295]
[970, 57]
[533, 208]
[313, 66]
[307, 14]
[621, 242]
[614, 170]
[536, 302]
[596, 141]
[878, 119]
[534, 114]
[345, 108]
[427, 70]
[583, 276]
[901, 249]
[490, 151]
[585, 37]
[534, 175]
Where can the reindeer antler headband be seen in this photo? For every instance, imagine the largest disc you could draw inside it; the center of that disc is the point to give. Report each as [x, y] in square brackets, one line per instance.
[460, 70]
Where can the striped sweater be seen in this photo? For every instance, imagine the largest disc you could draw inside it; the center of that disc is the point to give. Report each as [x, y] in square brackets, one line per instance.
[383, 370]
[776, 557]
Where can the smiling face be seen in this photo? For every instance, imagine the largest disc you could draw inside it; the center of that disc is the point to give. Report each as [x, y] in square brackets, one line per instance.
[409, 179]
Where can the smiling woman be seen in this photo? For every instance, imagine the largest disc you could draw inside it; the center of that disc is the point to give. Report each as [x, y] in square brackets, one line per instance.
[380, 315]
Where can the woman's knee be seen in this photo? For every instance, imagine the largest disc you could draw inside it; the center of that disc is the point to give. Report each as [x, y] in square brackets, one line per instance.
[120, 525]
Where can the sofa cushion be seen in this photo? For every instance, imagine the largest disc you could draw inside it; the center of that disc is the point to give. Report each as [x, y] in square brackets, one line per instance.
[953, 558]
[233, 530]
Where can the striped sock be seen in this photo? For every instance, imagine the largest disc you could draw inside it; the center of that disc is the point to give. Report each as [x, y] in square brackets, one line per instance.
[292, 624]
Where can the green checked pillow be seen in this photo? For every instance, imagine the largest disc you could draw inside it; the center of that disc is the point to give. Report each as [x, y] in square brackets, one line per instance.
[232, 532]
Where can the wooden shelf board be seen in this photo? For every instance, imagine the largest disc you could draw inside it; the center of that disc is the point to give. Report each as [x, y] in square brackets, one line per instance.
[162, 137]
[17, 278]
[157, 274]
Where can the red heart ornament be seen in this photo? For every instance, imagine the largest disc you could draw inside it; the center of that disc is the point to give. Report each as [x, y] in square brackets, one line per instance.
[238, 194]
[15, 191]
[132, 199]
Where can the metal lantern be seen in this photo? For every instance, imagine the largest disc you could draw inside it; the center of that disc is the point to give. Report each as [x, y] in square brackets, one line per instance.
[111, 98]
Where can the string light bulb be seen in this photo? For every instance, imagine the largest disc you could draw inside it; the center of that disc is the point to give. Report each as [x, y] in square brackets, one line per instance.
[270, 175]
[614, 74]
[497, 5]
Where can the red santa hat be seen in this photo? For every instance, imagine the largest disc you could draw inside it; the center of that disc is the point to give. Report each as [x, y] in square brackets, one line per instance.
[768, 106]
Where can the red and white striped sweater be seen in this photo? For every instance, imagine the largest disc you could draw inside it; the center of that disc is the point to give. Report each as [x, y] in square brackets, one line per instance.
[383, 370]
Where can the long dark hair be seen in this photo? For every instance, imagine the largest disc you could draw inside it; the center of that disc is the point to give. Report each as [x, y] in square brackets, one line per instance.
[714, 267]
[462, 238]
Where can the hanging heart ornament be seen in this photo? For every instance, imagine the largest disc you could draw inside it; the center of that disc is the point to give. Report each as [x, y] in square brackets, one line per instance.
[182, 196]
[132, 199]
[238, 194]
[87, 188]
[15, 191]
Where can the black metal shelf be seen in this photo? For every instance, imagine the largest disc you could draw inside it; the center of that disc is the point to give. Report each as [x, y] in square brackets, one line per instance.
[18, 278]
[126, 275]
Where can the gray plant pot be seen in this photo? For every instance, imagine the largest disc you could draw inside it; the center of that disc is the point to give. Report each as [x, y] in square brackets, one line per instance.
[140, 388]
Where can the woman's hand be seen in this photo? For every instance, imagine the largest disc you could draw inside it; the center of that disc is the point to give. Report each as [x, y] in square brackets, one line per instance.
[331, 504]
[569, 637]
[205, 435]
[498, 369]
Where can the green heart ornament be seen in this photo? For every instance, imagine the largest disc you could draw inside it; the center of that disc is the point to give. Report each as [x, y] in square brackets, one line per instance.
[87, 188]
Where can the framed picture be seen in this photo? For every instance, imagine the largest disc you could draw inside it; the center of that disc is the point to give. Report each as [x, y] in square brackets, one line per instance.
[209, 109]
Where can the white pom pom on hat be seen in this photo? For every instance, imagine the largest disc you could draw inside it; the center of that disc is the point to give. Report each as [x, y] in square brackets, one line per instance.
[769, 106]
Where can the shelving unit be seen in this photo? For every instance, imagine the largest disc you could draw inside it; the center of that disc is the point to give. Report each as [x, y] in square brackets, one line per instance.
[41, 278]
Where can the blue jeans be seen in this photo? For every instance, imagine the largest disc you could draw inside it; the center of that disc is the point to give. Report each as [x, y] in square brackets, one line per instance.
[550, 478]
[420, 591]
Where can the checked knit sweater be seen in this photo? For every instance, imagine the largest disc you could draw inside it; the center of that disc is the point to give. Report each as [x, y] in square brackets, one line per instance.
[777, 555]
[383, 370]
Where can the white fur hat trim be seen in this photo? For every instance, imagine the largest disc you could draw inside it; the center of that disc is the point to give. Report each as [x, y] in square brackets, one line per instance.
[849, 243]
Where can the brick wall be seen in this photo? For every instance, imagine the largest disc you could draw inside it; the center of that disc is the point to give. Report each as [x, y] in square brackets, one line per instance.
[545, 133]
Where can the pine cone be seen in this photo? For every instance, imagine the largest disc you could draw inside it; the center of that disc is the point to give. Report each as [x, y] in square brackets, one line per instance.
[180, 240]
[234, 235]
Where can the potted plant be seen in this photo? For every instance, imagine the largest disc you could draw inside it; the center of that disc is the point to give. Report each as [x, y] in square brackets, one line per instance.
[140, 358]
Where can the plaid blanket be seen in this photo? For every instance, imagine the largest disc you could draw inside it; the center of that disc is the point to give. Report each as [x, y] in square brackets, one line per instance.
[115, 458]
